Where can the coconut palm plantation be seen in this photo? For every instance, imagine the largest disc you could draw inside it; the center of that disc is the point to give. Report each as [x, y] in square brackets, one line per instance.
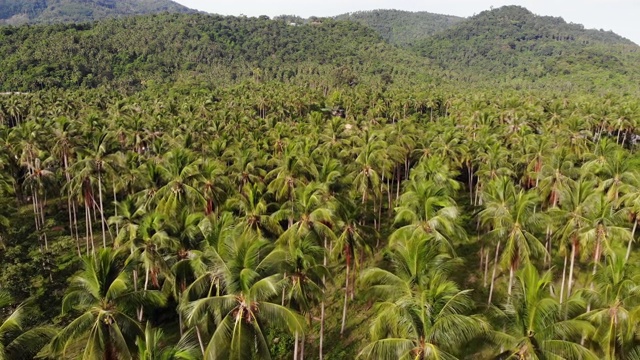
[339, 211]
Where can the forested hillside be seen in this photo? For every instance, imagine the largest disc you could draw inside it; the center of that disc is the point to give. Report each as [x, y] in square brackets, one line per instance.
[190, 187]
[16, 12]
[132, 51]
[512, 43]
[402, 27]
[507, 47]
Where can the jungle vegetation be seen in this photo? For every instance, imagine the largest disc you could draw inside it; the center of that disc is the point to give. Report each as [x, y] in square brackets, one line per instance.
[253, 189]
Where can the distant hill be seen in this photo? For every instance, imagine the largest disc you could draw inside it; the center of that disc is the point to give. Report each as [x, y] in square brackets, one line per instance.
[506, 46]
[513, 43]
[215, 49]
[402, 27]
[16, 12]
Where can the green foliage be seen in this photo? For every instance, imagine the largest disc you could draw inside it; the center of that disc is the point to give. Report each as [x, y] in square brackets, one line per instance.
[219, 187]
[53, 11]
[208, 48]
[402, 27]
[512, 43]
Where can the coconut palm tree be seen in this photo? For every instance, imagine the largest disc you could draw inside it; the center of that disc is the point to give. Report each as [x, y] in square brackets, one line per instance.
[245, 307]
[571, 220]
[17, 342]
[352, 242]
[510, 215]
[533, 325]
[104, 297]
[427, 211]
[253, 211]
[95, 164]
[179, 170]
[153, 346]
[616, 309]
[420, 313]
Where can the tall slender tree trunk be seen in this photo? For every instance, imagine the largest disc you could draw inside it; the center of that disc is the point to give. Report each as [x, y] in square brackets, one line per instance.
[43, 222]
[389, 190]
[73, 222]
[36, 218]
[547, 246]
[470, 174]
[283, 290]
[571, 266]
[93, 243]
[511, 273]
[346, 297]
[75, 218]
[115, 208]
[295, 347]
[302, 341]
[104, 238]
[486, 267]
[135, 288]
[86, 226]
[71, 225]
[564, 278]
[596, 258]
[493, 276]
[406, 167]
[200, 339]
[322, 305]
[633, 234]
[398, 186]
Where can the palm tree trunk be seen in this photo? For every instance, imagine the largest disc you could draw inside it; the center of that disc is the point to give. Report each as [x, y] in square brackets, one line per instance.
[596, 258]
[547, 246]
[200, 339]
[36, 218]
[295, 347]
[93, 243]
[380, 214]
[398, 186]
[71, 225]
[486, 267]
[86, 225]
[564, 278]
[135, 288]
[470, 174]
[633, 233]
[481, 256]
[511, 272]
[346, 298]
[283, 289]
[115, 207]
[75, 219]
[42, 223]
[571, 266]
[104, 238]
[493, 276]
[389, 190]
[302, 347]
[322, 315]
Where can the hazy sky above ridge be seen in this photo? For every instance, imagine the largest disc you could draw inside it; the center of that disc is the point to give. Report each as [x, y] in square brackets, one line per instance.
[621, 16]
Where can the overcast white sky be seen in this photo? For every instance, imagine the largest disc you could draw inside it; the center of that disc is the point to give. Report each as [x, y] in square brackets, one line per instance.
[621, 16]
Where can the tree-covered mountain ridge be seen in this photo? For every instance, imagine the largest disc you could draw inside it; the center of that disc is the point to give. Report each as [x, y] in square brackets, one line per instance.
[15, 12]
[402, 27]
[214, 49]
[407, 27]
[507, 46]
[512, 42]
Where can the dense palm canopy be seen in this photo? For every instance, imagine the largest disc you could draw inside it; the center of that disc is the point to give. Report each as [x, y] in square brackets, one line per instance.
[316, 211]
